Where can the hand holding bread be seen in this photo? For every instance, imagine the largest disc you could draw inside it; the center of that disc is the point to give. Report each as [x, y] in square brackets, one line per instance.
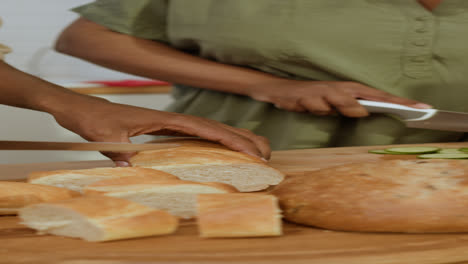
[205, 168]
[194, 160]
[202, 161]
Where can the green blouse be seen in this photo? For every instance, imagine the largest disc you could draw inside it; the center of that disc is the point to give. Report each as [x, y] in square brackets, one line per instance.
[396, 46]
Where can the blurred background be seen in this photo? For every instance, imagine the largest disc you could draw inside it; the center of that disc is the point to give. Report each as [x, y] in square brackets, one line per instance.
[30, 28]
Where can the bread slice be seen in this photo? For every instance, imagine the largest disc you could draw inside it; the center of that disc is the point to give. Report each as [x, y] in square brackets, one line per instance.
[238, 215]
[207, 162]
[411, 196]
[77, 179]
[97, 218]
[14, 195]
[175, 196]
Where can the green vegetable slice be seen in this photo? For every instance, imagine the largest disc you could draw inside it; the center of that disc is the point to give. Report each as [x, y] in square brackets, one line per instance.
[463, 149]
[379, 151]
[382, 151]
[450, 151]
[412, 150]
[444, 156]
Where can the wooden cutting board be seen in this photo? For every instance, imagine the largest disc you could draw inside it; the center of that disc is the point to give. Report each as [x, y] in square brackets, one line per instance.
[299, 244]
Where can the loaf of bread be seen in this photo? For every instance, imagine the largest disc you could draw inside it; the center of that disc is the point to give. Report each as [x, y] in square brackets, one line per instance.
[77, 179]
[175, 196]
[203, 161]
[238, 215]
[97, 218]
[15, 195]
[413, 196]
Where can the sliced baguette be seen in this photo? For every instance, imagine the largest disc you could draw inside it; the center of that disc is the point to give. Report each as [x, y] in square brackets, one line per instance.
[238, 215]
[207, 162]
[77, 179]
[97, 218]
[14, 195]
[175, 196]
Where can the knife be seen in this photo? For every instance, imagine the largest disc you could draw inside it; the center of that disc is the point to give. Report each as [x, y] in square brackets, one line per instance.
[421, 118]
[81, 146]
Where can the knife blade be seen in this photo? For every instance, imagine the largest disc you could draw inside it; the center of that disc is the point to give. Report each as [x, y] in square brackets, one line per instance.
[81, 146]
[421, 118]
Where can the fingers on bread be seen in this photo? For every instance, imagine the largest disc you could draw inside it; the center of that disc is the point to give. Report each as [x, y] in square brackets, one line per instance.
[414, 196]
[121, 202]
[14, 195]
[77, 179]
[200, 161]
[97, 218]
[238, 215]
[175, 196]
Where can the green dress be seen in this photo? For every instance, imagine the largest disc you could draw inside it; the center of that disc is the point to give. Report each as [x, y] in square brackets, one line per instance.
[396, 46]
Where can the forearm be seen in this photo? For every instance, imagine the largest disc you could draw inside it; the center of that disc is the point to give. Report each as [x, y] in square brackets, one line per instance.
[154, 60]
[20, 89]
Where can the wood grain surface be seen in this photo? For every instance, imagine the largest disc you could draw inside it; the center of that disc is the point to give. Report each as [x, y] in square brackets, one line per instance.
[299, 244]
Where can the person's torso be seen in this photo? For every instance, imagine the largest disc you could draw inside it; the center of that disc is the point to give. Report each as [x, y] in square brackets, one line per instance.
[396, 46]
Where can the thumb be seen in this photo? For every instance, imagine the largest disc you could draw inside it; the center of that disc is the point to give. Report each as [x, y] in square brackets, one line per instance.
[121, 159]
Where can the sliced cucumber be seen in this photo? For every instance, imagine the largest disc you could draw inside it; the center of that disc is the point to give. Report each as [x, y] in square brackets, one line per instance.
[444, 156]
[412, 150]
[379, 151]
[450, 151]
[382, 151]
[463, 150]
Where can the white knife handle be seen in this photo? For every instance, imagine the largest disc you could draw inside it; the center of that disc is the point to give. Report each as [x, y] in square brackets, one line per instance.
[405, 112]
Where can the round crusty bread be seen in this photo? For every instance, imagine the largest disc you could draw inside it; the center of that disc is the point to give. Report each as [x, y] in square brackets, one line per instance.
[411, 196]
[15, 195]
[208, 162]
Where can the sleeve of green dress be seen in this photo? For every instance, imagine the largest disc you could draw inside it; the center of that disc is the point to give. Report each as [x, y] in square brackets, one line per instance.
[140, 18]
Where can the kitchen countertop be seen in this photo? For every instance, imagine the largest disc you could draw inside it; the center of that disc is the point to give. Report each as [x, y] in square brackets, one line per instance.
[299, 244]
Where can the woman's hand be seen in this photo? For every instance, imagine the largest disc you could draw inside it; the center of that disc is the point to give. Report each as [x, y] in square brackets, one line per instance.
[159, 61]
[323, 97]
[96, 119]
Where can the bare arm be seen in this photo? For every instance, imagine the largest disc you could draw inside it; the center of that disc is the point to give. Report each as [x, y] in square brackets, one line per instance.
[156, 60]
[153, 59]
[26, 91]
[96, 119]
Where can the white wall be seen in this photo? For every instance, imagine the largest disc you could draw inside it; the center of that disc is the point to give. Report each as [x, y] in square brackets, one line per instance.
[30, 27]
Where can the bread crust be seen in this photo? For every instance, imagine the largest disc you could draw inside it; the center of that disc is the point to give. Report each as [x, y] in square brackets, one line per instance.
[116, 218]
[144, 182]
[209, 162]
[193, 151]
[191, 155]
[112, 172]
[238, 215]
[14, 195]
[412, 196]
